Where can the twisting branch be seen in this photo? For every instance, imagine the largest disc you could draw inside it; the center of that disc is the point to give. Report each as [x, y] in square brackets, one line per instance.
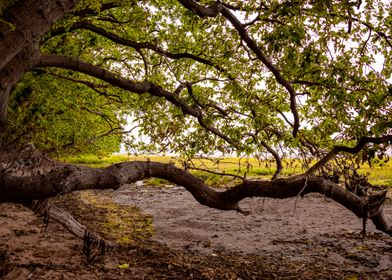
[379, 33]
[68, 178]
[89, 11]
[278, 160]
[354, 150]
[114, 131]
[202, 11]
[135, 87]
[87, 25]
[210, 104]
[145, 64]
[105, 117]
[91, 85]
[113, 79]
[214, 172]
[258, 18]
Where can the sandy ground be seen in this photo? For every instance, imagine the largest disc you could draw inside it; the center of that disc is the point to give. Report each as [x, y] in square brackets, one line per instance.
[292, 228]
[310, 238]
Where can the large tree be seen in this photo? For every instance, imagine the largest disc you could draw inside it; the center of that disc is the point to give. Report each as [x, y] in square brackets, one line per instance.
[279, 79]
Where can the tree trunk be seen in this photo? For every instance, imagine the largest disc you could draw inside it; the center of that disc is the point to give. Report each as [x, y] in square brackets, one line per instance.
[28, 21]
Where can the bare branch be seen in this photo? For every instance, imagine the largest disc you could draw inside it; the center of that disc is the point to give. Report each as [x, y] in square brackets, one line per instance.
[52, 212]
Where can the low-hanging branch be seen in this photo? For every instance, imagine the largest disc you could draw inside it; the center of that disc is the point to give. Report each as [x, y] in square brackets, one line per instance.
[68, 178]
[114, 79]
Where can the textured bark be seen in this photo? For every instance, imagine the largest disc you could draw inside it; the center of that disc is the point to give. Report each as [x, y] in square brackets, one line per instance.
[51, 212]
[31, 20]
[70, 178]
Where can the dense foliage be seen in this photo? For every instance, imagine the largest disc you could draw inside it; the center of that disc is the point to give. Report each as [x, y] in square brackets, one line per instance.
[261, 78]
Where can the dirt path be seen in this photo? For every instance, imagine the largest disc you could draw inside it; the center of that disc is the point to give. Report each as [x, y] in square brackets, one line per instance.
[313, 227]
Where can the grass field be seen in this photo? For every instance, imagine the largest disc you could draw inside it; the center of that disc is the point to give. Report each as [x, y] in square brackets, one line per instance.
[377, 174]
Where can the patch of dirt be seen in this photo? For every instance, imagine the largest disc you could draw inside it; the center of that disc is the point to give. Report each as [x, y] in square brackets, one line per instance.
[310, 238]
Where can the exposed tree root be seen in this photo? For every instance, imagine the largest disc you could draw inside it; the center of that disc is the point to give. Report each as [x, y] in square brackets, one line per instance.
[94, 245]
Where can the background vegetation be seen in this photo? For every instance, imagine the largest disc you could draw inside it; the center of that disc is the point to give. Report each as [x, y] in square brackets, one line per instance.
[379, 172]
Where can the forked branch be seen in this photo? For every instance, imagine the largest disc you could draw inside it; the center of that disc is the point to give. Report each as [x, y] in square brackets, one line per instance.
[135, 87]
[351, 150]
[217, 9]
[153, 46]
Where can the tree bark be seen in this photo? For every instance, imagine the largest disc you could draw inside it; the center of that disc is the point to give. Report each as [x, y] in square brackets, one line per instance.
[66, 179]
[30, 19]
[52, 212]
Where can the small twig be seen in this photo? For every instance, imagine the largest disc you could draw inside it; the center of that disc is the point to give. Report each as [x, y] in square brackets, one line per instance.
[216, 173]
[300, 192]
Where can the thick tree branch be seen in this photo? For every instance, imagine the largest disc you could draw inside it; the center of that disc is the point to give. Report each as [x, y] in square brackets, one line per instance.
[31, 19]
[71, 178]
[113, 79]
[135, 87]
[202, 11]
[52, 212]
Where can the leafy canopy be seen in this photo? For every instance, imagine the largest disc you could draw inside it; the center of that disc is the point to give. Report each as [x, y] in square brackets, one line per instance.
[335, 55]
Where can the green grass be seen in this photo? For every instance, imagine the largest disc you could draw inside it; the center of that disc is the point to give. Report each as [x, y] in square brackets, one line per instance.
[378, 174]
[94, 161]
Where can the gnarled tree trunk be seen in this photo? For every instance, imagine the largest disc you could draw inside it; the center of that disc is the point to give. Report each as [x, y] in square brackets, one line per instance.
[28, 21]
[68, 178]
